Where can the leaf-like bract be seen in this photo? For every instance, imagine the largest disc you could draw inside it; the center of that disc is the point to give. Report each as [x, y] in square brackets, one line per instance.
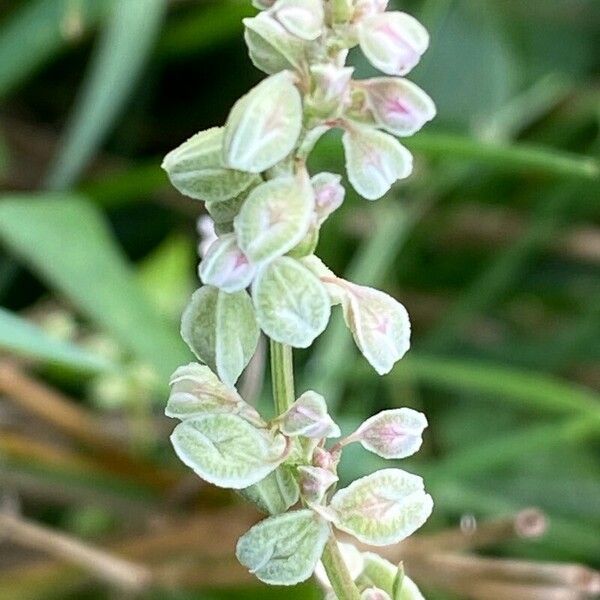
[226, 450]
[382, 508]
[292, 305]
[284, 549]
[264, 125]
[221, 330]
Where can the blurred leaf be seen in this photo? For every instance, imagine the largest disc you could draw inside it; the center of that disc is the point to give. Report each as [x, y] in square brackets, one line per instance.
[114, 72]
[37, 31]
[167, 275]
[26, 339]
[66, 242]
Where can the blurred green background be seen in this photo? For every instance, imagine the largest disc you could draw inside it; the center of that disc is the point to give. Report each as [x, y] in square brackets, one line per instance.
[493, 246]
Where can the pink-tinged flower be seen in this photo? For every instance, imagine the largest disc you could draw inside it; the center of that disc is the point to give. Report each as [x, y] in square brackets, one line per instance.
[393, 42]
[329, 194]
[314, 483]
[225, 266]
[395, 433]
[398, 105]
[308, 417]
[374, 593]
[303, 18]
[325, 459]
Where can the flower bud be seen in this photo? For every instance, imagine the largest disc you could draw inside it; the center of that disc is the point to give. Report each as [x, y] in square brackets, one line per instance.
[395, 433]
[325, 459]
[302, 18]
[331, 89]
[393, 42]
[329, 194]
[308, 417]
[365, 8]
[314, 483]
[374, 160]
[398, 105]
[374, 594]
[225, 266]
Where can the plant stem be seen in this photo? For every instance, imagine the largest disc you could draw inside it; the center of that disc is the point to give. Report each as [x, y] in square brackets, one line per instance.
[337, 571]
[282, 373]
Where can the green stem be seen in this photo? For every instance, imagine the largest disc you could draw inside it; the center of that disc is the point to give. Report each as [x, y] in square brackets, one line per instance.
[337, 571]
[282, 374]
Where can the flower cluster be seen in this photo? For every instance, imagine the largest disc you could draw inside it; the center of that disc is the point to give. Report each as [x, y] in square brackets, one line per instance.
[277, 464]
[262, 274]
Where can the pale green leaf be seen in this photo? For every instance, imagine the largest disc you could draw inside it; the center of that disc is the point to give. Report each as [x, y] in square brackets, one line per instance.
[221, 330]
[227, 450]
[292, 306]
[275, 217]
[277, 492]
[382, 508]
[196, 390]
[284, 549]
[197, 170]
[264, 125]
[374, 160]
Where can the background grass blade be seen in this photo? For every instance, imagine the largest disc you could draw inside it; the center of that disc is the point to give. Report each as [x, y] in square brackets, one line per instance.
[21, 337]
[85, 265]
[114, 72]
[35, 33]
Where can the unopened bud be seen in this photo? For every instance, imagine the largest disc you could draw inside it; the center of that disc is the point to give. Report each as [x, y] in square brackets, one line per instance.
[302, 18]
[395, 433]
[308, 417]
[398, 105]
[331, 89]
[225, 266]
[329, 194]
[393, 42]
[314, 483]
[374, 594]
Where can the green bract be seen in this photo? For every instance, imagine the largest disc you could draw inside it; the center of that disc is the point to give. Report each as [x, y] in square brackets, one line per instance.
[374, 160]
[275, 217]
[263, 126]
[197, 170]
[226, 450]
[382, 508]
[292, 306]
[284, 549]
[221, 330]
[271, 47]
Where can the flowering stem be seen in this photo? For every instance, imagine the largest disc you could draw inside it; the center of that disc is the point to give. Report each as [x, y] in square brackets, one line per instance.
[337, 571]
[282, 373]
